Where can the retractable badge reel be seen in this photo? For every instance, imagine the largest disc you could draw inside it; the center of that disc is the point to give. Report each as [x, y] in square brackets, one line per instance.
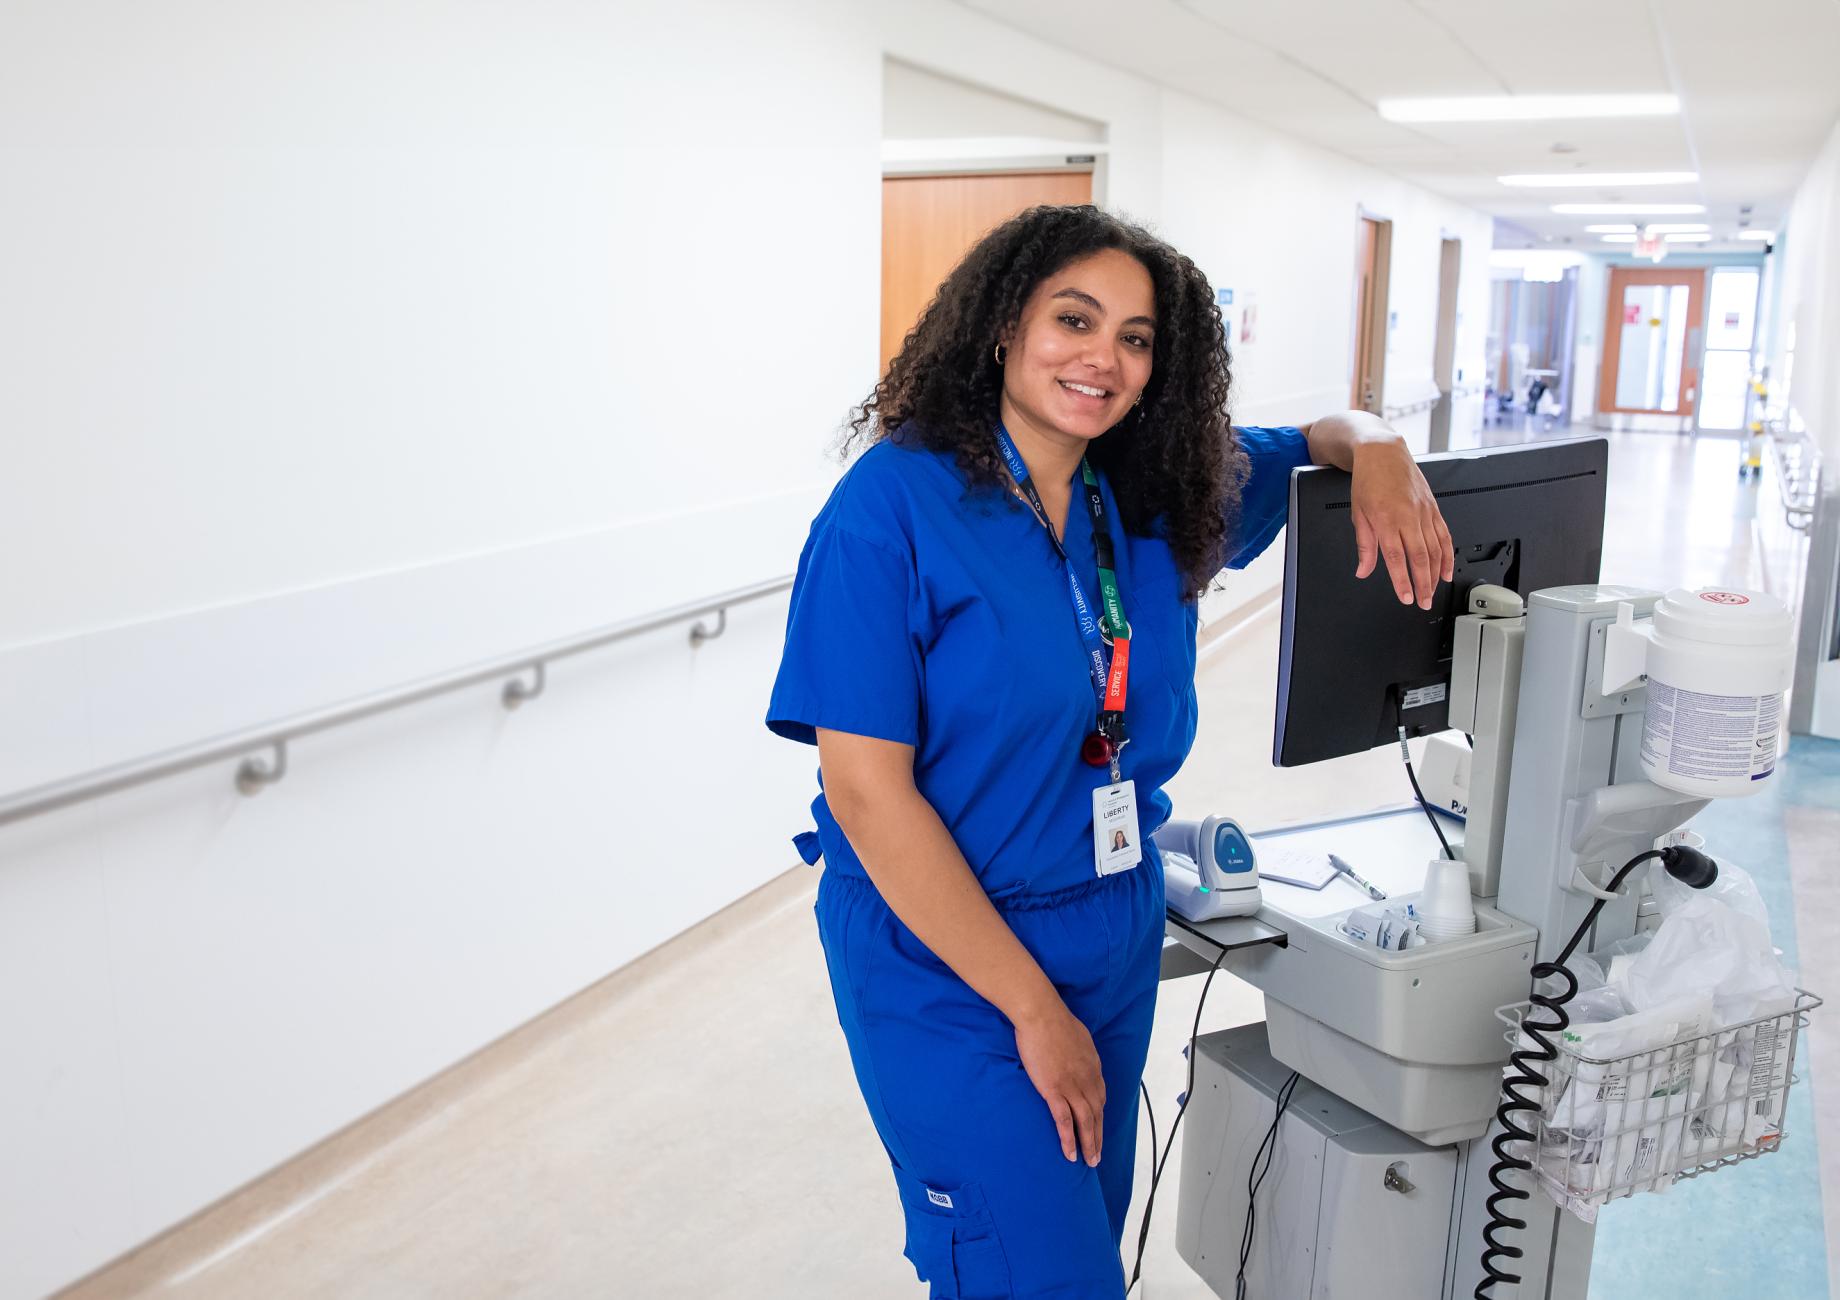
[1116, 830]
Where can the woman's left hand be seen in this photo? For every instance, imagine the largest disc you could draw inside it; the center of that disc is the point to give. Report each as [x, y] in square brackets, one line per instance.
[1396, 517]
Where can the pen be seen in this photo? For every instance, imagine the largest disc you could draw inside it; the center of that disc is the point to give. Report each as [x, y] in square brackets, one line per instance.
[1355, 876]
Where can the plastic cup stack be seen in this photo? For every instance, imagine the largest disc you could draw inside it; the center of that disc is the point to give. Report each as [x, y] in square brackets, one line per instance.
[1445, 908]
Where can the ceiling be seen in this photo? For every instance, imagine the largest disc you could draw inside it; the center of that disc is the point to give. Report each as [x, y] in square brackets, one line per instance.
[1757, 85]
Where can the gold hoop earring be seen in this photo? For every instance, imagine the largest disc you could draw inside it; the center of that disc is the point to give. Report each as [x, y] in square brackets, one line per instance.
[999, 352]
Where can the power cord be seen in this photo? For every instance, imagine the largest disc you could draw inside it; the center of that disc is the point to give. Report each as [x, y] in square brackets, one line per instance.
[1268, 1150]
[1149, 1110]
[1158, 1163]
[1690, 867]
[1406, 754]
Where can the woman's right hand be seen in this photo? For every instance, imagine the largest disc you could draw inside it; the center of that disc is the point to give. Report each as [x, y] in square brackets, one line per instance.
[1062, 1063]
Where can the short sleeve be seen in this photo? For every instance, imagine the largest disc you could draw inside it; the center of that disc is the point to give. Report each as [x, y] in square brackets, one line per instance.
[1264, 502]
[851, 662]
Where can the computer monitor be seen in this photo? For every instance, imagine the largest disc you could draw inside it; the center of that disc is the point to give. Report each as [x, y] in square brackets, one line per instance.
[1353, 662]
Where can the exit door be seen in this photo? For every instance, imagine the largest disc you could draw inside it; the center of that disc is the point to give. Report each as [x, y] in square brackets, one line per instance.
[1652, 334]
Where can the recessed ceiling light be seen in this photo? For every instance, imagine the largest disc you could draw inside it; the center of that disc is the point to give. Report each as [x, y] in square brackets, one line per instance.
[1756, 234]
[1628, 209]
[1676, 227]
[1686, 239]
[1526, 108]
[1615, 228]
[1578, 180]
[1619, 239]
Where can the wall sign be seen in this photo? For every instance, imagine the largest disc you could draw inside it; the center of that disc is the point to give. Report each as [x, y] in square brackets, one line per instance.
[1239, 315]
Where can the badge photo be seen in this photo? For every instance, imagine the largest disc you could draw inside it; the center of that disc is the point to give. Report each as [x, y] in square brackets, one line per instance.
[1115, 831]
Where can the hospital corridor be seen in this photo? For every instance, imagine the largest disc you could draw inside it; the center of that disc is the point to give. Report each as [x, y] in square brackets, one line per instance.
[636, 660]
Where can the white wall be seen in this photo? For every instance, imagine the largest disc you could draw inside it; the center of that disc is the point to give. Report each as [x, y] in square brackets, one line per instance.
[1260, 212]
[1268, 216]
[345, 344]
[922, 105]
[1810, 287]
[1808, 280]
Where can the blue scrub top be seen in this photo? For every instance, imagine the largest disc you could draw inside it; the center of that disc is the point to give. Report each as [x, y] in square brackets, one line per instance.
[930, 614]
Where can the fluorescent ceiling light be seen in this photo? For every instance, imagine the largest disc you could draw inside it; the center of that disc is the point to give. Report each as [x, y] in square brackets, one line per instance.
[1527, 108]
[1677, 227]
[1756, 234]
[1686, 239]
[1579, 180]
[1619, 239]
[1628, 209]
[1615, 228]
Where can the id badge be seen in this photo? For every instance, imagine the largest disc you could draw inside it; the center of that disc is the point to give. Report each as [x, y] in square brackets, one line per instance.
[1115, 846]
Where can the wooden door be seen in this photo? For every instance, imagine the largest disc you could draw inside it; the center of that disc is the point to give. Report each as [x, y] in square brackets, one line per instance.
[1373, 254]
[930, 222]
[1444, 348]
[1653, 336]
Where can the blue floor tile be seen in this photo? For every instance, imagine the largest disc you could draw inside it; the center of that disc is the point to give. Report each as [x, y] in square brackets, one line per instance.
[1755, 1229]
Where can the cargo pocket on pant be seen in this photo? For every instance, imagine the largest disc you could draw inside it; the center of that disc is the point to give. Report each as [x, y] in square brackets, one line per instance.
[951, 1241]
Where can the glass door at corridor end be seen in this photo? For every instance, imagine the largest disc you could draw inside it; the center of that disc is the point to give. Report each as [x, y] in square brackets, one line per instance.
[1731, 334]
[1652, 340]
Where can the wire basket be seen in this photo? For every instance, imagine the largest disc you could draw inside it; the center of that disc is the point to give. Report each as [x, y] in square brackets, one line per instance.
[1609, 1126]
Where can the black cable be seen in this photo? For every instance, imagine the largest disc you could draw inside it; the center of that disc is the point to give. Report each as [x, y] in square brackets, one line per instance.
[1420, 795]
[1255, 1178]
[1406, 754]
[1157, 1164]
[1688, 865]
[1144, 1091]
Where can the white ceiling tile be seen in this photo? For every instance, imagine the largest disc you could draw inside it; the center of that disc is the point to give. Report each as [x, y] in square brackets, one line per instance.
[1758, 86]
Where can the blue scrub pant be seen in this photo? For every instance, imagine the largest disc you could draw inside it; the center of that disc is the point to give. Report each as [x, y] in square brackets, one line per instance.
[993, 1208]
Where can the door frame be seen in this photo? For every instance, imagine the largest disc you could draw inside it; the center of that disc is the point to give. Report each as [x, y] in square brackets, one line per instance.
[1621, 277]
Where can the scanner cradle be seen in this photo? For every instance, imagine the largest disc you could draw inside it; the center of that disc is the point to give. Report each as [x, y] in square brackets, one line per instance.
[1223, 879]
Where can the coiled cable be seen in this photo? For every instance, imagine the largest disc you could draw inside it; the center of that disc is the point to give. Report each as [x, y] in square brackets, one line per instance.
[1685, 864]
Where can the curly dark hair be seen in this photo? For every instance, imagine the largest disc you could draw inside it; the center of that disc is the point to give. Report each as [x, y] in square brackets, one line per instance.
[1174, 464]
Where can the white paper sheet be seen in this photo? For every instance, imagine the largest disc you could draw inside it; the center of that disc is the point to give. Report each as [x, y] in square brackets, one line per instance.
[1391, 849]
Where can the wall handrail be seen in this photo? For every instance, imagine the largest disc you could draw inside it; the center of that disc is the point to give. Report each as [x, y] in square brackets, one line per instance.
[1404, 409]
[1798, 472]
[255, 774]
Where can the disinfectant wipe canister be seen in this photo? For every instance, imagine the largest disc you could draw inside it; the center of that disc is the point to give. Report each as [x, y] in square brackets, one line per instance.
[1718, 661]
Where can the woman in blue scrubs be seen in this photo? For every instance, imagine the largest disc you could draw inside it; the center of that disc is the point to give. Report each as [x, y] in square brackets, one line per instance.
[992, 643]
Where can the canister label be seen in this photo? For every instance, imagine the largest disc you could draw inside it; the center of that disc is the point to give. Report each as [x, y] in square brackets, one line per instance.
[1710, 737]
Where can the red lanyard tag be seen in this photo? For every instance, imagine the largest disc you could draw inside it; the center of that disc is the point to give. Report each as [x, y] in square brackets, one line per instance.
[1120, 673]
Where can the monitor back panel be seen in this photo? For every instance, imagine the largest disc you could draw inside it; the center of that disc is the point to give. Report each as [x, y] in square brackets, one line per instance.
[1353, 661]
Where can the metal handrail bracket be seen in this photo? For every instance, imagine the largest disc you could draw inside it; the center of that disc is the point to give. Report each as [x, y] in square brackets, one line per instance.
[1798, 475]
[255, 774]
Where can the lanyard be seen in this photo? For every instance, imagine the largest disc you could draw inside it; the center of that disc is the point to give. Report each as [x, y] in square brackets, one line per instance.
[1109, 680]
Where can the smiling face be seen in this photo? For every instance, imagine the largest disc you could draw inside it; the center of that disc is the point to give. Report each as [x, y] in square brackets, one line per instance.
[1080, 351]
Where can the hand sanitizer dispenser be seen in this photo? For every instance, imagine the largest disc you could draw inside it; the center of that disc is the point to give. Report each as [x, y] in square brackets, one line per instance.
[1209, 870]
